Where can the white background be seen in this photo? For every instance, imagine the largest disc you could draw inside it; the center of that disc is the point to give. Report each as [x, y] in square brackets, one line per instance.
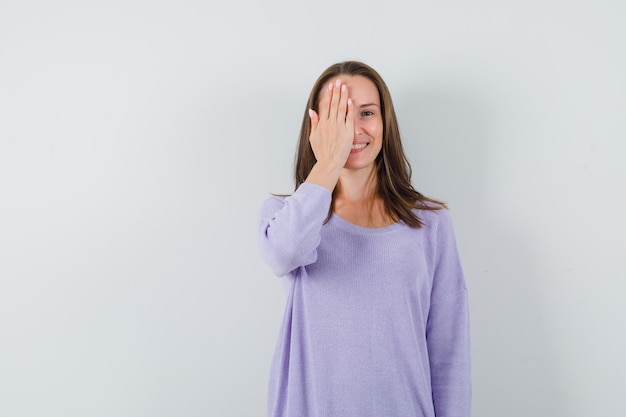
[139, 138]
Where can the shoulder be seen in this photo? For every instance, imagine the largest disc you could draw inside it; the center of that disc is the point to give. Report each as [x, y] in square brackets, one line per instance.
[305, 190]
[437, 221]
[305, 194]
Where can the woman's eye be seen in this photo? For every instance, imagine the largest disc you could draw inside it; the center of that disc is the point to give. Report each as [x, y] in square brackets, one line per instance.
[367, 113]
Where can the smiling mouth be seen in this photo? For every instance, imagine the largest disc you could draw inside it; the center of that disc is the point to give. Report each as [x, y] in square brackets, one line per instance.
[358, 146]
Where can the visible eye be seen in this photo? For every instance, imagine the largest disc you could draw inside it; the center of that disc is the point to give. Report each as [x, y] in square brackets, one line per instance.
[367, 113]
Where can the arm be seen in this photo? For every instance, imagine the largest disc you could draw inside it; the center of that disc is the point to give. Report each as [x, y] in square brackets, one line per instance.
[332, 133]
[289, 228]
[447, 330]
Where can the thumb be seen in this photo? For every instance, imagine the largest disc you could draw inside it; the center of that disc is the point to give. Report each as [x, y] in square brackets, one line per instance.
[315, 119]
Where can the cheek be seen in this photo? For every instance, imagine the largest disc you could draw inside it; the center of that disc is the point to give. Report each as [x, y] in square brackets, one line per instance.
[377, 127]
[373, 127]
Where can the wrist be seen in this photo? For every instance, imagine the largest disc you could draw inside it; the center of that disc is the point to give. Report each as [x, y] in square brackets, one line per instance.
[325, 173]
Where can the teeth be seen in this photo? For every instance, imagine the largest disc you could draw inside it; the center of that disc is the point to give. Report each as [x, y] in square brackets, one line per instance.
[359, 146]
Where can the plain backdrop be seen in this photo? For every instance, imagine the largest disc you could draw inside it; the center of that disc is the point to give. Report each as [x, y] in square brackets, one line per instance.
[138, 139]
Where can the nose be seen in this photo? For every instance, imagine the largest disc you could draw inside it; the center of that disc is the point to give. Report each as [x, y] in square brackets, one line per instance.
[358, 127]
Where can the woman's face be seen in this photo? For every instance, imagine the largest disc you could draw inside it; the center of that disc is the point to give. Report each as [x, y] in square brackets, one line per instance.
[368, 122]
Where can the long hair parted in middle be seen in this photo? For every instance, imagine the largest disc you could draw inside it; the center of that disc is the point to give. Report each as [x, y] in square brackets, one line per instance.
[393, 170]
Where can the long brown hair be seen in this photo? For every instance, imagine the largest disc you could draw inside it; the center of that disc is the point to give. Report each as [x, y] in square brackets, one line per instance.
[393, 170]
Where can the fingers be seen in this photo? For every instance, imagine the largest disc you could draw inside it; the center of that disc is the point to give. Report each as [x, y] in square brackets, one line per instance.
[332, 126]
[324, 105]
[333, 101]
[343, 103]
[350, 115]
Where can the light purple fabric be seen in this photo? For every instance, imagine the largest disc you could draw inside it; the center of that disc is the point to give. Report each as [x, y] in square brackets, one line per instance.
[376, 320]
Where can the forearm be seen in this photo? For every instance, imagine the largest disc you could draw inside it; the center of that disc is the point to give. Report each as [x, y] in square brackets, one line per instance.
[449, 353]
[325, 174]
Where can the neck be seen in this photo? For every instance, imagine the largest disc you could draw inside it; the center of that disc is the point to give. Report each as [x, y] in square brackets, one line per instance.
[357, 185]
[356, 200]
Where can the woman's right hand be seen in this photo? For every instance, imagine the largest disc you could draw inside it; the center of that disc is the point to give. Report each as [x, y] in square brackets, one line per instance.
[332, 130]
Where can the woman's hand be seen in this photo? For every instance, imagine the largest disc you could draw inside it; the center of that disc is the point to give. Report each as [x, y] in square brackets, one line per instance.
[332, 130]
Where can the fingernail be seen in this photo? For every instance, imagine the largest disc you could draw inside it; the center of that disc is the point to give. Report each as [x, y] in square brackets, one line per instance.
[343, 88]
[349, 102]
[311, 113]
[338, 82]
[330, 86]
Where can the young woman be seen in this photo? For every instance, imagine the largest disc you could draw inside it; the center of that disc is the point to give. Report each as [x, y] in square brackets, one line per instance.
[376, 321]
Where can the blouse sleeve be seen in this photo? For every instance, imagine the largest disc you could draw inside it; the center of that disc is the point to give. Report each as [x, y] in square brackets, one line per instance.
[289, 228]
[447, 331]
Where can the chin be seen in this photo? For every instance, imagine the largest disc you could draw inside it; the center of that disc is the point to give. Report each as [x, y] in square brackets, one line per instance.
[355, 166]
